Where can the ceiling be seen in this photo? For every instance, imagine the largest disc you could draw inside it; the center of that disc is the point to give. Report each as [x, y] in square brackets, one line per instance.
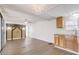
[35, 12]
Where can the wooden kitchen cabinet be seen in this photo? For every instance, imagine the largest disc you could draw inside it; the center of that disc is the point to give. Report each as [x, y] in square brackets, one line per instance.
[60, 40]
[56, 40]
[74, 43]
[68, 42]
[60, 22]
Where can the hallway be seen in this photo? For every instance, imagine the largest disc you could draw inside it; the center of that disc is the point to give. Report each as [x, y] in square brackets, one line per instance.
[32, 47]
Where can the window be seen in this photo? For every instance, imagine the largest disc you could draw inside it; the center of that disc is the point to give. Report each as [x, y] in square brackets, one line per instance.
[72, 24]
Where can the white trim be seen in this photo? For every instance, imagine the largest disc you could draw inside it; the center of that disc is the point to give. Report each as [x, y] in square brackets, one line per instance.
[67, 50]
[41, 40]
[8, 39]
[16, 38]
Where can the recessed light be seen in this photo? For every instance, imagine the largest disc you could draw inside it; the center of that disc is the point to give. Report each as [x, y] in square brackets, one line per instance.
[23, 28]
[25, 22]
[76, 15]
[8, 28]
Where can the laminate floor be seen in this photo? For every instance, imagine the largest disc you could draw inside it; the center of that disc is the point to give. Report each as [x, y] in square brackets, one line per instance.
[31, 47]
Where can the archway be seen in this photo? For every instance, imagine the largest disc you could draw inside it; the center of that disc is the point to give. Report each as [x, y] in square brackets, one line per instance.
[16, 33]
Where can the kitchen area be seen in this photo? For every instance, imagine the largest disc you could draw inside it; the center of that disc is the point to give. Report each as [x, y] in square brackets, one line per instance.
[67, 41]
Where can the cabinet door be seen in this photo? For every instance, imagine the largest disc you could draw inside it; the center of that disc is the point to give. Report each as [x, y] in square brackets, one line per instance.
[59, 22]
[62, 41]
[72, 43]
[75, 44]
[56, 40]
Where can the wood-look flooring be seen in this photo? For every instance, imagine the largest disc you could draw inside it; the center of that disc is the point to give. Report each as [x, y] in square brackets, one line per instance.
[31, 47]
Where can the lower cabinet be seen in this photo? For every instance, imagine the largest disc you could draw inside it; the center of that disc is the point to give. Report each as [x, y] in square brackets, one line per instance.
[60, 40]
[66, 41]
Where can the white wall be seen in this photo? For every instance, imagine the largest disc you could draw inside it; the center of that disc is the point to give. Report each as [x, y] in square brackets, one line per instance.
[4, 30]
[45, 30]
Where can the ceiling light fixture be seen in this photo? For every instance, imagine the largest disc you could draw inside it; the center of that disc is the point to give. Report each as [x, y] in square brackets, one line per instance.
[25, 22]
[38, 7]
[76, 15]
[23, 28]
[8, 28]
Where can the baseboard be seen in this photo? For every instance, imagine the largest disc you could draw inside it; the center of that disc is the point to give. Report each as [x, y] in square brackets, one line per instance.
[14, 39]
[67, 50]
[41, 40]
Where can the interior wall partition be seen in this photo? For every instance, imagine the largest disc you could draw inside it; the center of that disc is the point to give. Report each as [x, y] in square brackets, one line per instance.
[2, 32]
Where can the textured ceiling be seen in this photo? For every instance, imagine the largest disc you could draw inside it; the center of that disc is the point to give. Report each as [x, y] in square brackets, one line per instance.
[44, 11]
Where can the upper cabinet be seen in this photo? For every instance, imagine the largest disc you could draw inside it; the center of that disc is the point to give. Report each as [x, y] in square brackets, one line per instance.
[60, 22]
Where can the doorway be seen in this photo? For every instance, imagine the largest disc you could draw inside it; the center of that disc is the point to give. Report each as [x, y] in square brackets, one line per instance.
[15, 31]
